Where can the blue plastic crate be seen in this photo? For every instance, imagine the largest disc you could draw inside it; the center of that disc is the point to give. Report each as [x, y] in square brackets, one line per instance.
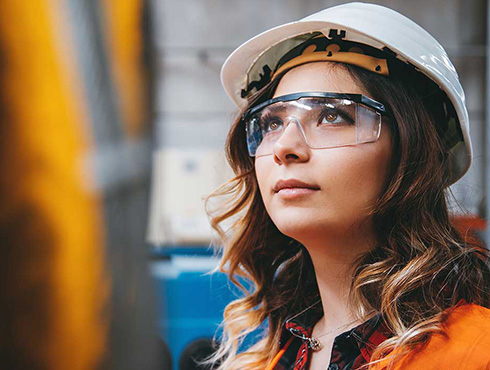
[191, 299]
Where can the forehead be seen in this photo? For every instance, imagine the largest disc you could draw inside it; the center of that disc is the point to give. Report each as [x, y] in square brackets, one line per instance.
[318, 76]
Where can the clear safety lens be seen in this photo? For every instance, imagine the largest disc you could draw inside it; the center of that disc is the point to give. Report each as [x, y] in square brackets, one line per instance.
[321, 122]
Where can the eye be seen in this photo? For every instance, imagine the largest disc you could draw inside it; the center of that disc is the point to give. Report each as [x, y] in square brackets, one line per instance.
[331, 117]
[271, 123]
[335, 117]
[274, 125]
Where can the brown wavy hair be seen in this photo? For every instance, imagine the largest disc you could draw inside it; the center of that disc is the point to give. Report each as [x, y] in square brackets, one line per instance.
[420, 269]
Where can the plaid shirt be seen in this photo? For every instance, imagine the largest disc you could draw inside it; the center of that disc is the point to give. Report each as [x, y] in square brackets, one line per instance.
[351, 349]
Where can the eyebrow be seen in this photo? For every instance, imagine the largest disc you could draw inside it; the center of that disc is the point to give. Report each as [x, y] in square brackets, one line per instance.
[275, 108]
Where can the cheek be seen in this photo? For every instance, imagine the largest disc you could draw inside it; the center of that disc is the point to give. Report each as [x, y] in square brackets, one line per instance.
[365, 177]
[354, 180]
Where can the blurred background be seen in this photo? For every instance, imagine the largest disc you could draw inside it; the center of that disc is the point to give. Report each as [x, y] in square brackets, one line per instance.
[113, 123]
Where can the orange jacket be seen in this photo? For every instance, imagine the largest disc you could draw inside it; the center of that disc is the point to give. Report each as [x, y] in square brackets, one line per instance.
[465, 344]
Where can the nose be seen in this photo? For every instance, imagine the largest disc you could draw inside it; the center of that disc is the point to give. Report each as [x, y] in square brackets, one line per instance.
[291, 145]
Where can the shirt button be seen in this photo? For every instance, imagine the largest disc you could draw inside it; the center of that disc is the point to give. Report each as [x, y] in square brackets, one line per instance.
[333, 367]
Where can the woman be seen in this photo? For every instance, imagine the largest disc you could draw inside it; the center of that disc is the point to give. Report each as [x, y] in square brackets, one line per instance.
[352, 127]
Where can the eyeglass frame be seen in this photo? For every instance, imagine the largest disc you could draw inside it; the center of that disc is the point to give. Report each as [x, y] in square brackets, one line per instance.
[356, 98]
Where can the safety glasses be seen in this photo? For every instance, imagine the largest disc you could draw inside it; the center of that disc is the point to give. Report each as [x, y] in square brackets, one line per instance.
[324, 120]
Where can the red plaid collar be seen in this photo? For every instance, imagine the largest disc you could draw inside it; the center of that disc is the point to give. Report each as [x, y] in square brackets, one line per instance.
[352, 348]
[370, 335]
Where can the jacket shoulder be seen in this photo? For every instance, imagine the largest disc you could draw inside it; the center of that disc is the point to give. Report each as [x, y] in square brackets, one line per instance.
[464, 343]
[469, 327]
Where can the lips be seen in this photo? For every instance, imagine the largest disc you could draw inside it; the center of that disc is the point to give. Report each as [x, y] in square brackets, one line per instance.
[293, 184]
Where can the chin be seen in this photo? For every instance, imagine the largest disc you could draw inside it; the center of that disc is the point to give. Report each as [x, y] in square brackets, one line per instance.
[300, 227]
[303, 226]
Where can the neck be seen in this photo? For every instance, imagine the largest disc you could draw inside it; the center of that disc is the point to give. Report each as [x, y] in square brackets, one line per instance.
[333, 258]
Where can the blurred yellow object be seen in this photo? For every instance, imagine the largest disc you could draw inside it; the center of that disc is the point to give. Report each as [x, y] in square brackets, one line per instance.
[53, 290]
[123, 20]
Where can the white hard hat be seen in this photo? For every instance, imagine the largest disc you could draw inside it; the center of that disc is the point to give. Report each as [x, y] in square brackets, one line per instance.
[378, 27]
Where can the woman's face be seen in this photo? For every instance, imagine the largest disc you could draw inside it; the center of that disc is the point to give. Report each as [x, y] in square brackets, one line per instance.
[347, 180]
